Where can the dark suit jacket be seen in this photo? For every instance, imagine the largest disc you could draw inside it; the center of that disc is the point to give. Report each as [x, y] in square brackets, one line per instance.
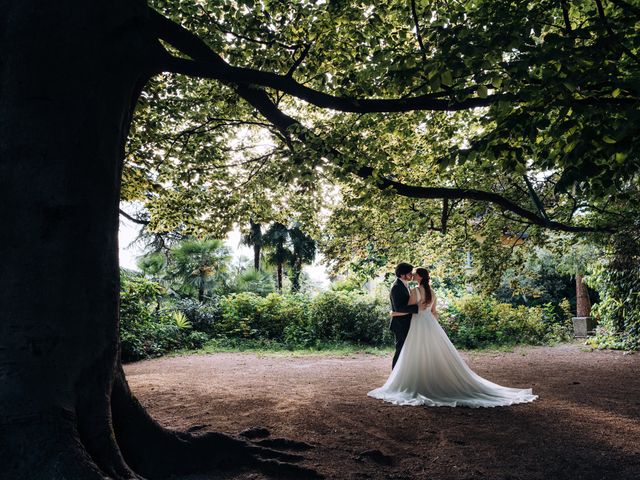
[400, 303]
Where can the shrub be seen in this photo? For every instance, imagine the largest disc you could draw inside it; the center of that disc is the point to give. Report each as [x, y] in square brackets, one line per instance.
[249, 315]
[617, 279]
[276, 312]
[239, 313]
[342, 317]
[147, 327]
[202, 315]
[475, 321]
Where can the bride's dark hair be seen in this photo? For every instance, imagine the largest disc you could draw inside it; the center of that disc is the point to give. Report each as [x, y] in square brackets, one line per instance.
[424, 275]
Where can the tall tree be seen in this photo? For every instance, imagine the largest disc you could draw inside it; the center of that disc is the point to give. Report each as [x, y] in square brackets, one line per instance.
[199, 264]
[549, 89]
[253, 238]
[276, 239]
[303, 252]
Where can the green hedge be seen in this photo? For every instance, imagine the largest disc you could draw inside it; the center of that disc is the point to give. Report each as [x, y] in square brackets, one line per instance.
[152, 324]
[147, 327]
[474, 321]
[300, 321]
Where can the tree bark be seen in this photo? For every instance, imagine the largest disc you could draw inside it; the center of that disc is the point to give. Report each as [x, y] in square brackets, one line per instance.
[583, 303]
[279, 284]
[68, 77]
[295, 277]
[70, 74]
[256, 257]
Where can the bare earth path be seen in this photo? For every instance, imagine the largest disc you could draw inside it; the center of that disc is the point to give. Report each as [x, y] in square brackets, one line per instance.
[585, 425]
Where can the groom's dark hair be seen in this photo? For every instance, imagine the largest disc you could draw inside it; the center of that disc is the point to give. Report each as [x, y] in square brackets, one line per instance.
[403, 268]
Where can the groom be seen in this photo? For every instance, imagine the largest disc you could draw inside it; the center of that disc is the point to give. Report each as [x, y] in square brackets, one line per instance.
[400, 303]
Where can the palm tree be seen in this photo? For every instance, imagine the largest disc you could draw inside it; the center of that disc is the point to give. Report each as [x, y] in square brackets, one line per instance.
[200, 264]
[255, 281]
[153, 265]
[304, 252]
[276, 239]
[254, 239]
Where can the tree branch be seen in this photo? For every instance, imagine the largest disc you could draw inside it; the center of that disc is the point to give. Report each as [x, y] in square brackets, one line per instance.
[535, 197]
[133, 219]
[299, 60]
[445, 214]
[209, 64]
[206, 63]
[414, 13]
[285, 123]
[228, 73]
[565, 15]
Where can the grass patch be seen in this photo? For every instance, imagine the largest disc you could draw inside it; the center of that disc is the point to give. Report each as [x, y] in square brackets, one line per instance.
[271, 347]
[275, 348]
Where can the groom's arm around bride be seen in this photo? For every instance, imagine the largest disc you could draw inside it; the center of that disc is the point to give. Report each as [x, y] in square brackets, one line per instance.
[399, 297]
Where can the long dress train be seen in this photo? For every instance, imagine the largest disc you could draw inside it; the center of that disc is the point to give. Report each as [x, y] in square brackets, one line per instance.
[431, 372]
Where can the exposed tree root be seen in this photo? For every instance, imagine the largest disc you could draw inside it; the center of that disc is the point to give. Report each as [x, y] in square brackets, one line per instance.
[284, 443]
[46, 447]
[155, 452]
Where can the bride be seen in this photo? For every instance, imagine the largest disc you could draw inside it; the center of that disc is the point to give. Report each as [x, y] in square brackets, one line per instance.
[430, 371]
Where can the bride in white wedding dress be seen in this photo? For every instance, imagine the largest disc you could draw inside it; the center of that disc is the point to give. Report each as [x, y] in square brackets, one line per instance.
[431, 372]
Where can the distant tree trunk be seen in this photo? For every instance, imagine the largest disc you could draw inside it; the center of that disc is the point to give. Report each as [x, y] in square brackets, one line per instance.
[256, 257]
[256, 235]
[279, 279]
[201, 289]
[296, 272]
[583, 303]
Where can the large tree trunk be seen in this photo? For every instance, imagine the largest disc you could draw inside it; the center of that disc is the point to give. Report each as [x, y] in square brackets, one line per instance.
[70, 73]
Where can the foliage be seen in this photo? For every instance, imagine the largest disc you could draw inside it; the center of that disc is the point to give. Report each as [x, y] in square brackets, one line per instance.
[253, 238]
[557, 134]
[254, 281]
[347, 317]
[190, 267]
[152, 325]
[200, 265]
[476, 321]
[538, 105]
[303, 251]
[203, 316]
[617, 278]
[537, 280]
[276, 241]
[251, 316]
[146, 328]
[349, 285]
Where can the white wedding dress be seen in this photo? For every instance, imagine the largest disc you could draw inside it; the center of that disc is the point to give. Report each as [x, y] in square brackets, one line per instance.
[431, 372]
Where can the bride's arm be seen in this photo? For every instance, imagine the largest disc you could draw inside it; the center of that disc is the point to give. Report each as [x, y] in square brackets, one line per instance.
[413, 300]
[434, 310]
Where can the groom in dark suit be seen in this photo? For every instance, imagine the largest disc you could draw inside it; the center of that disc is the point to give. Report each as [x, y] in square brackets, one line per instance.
[400, 303]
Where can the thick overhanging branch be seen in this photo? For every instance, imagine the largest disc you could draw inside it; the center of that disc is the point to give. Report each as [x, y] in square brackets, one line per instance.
[206, 63]
[413, 191]
[286, 84]
[265, 106]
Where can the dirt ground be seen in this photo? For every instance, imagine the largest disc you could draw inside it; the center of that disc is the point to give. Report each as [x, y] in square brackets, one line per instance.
[585, 425]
